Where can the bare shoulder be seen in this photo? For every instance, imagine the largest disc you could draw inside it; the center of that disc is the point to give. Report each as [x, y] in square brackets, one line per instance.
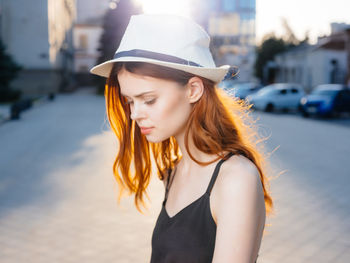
[238, 169]
[238, 181]
[238, 210]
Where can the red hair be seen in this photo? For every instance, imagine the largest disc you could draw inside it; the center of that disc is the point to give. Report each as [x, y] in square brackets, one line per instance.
[221, 123]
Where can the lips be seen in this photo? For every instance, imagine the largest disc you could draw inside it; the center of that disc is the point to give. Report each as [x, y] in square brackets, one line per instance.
[146, 130]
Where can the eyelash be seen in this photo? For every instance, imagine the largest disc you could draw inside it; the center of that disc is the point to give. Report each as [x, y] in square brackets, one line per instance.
[150, 102]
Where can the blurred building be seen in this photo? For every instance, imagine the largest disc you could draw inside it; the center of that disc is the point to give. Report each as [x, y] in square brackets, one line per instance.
[311, 65]
[231, 25]
[86, 37]
[87, 32]
[339, 40]
[39, 36]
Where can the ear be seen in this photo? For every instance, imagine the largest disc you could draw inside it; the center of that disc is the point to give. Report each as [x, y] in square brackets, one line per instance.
[195, 89]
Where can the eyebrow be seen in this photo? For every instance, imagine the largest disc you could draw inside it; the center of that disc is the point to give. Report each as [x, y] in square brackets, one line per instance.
[140, 95]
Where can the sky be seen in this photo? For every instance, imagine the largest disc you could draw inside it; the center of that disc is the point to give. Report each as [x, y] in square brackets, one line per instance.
[314, 16]
[302, 15]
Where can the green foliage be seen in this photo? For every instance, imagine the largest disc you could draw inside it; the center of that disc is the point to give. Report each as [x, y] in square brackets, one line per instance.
[272, 46]
[114, 25]
[8, 71]
[267, 51]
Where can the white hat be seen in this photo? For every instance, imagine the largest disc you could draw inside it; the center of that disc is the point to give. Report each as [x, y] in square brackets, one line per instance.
[167, 40]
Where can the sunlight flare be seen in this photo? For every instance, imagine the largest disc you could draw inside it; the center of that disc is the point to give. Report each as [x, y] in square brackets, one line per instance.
[179, 7]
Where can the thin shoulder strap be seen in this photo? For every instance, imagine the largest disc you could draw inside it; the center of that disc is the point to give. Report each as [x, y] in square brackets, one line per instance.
[167, 179]
[168, 185]
[216, 172]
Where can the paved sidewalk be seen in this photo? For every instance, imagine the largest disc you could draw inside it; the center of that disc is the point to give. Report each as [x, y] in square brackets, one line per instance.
[58, 195]
[312, 195]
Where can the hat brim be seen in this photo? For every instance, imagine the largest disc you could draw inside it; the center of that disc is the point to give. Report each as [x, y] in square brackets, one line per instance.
[215, 74]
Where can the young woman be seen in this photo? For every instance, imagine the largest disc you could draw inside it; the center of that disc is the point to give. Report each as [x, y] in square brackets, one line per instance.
[162, 102]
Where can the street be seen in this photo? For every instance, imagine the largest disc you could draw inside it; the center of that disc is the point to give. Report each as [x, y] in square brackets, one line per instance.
[58, 197]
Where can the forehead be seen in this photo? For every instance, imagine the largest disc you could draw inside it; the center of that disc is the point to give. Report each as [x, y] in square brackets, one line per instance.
[134, 85]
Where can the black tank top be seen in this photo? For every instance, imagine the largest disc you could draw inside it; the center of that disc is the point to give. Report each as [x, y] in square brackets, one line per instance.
[188, 236]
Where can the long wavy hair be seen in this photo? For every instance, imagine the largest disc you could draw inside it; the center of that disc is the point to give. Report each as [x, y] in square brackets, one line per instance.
[220, 123]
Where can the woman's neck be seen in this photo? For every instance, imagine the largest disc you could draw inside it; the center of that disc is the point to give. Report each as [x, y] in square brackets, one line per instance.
[186, 163]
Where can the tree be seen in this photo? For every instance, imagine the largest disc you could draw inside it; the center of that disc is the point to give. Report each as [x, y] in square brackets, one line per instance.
[272, 45]
[114, 25]
[266, 52]
[289, 36]
[8, 71]
[306, 39]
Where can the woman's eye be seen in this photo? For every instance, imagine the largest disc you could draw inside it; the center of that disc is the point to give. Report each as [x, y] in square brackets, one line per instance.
[149, 102]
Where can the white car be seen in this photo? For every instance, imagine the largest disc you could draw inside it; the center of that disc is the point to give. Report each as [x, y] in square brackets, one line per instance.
[239, 89]
[242, 90]
[278, 96]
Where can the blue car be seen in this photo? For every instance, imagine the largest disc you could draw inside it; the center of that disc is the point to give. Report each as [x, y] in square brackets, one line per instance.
[326, 100]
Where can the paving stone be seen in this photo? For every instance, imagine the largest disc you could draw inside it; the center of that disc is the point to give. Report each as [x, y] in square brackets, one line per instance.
[64, 207]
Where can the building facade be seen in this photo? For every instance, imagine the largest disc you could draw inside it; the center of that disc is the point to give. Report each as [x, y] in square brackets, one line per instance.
[86, 39]
[323, 63]
[87, 31]
[39, 37]
[231, 25]
[299, 66]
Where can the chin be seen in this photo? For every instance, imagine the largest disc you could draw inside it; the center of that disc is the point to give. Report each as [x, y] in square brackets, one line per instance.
[153, 139]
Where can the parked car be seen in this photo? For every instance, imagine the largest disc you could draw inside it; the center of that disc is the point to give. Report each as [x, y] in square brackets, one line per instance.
[278, 96]
[240, 90]
[326, 100]
[226, 84]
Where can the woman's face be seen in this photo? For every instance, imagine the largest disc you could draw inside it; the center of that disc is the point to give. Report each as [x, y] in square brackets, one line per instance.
[158, 104]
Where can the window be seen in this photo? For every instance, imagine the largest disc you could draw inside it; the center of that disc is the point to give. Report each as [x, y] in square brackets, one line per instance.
[247, 3]
[229, 5]
[83, 41]
[283, 91]
[330, 93]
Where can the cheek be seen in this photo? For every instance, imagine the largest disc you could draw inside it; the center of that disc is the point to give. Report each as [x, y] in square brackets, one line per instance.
[171, 115]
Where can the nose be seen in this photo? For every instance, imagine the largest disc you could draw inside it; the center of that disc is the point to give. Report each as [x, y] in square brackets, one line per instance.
[136, 112]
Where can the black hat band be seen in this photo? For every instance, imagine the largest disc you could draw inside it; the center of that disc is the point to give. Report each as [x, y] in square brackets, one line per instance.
[156, 56]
